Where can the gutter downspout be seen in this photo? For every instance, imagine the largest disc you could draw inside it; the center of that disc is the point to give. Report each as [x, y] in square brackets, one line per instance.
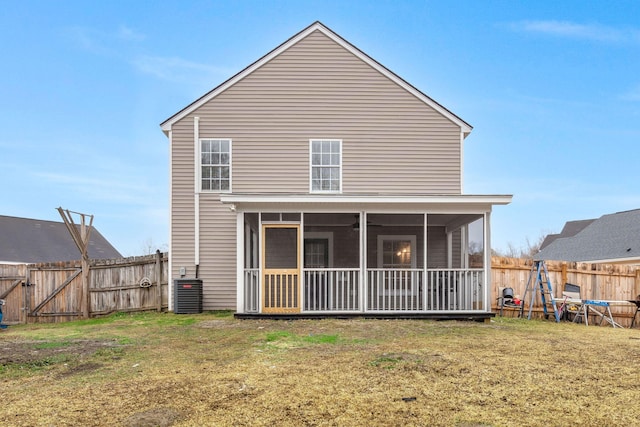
[196, 194]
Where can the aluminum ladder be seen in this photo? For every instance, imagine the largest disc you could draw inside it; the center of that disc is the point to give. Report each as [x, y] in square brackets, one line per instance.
[539, 282]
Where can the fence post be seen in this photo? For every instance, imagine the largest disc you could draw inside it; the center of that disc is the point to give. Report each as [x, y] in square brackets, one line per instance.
[159, 279]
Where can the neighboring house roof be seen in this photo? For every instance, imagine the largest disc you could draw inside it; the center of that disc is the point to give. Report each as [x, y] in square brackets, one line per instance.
[570, 229]
[613, 238]
[317, 26]
[25, 241]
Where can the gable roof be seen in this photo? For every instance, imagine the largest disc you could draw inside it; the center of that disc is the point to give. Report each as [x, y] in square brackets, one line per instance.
[26, 241]
[316, 26]
[613, 238]
[570, 229]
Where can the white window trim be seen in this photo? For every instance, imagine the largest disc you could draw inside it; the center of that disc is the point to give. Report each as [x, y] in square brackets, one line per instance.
[311, 190]
[199, 162]
[323, 235]
[410, 237]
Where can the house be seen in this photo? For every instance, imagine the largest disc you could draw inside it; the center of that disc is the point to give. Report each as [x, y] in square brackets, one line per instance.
[610, 239]
[317, 181]
[570, 229]
[28, 241]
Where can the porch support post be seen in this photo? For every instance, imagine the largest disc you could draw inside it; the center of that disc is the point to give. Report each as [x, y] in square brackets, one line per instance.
[260, 263]
[363, 261]
[303, 296]
[487, 262]
[425, 273]
[464, 246]
[449, 249]
[240, 250]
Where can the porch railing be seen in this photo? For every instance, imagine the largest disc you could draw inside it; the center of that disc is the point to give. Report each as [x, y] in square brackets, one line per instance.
[388, 290]
[251, 290]
[331, 289]
[395, 289]
[455, 289]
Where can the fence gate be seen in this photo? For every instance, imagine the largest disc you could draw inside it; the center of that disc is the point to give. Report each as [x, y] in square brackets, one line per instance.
[13, 290]
[54, 292]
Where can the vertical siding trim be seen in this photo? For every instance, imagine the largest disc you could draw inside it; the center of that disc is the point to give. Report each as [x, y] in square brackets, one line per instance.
[240, 249]
[170, 278]
[461, 162]
[196, 191]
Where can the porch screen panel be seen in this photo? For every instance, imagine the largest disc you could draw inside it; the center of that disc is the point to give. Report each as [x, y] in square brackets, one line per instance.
[281, 248]
[281, 285]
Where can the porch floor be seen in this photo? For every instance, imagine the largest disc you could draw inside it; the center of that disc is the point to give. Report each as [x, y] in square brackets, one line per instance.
[477, 317]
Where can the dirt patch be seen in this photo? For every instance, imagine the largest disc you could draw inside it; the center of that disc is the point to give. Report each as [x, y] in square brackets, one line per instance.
[82, 368]
[30, 352]
[159, 417]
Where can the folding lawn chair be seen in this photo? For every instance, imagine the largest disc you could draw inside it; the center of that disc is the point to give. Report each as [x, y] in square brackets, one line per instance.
[571, 302]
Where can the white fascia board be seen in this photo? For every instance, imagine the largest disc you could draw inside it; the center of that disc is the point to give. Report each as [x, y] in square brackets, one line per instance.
[166, 126]
[626, 261]
[365, 199]
[14, 262]
[465, 127]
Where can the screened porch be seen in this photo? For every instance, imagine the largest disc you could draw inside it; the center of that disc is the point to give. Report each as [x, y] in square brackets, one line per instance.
[346, 262]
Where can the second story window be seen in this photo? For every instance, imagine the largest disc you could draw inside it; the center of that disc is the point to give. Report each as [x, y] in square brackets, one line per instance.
[326, 165]
[215, 164]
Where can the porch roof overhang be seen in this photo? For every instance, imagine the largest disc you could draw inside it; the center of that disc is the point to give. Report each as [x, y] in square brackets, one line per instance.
[378, 202]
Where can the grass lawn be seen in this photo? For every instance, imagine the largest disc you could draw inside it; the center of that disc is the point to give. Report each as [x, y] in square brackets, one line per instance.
[161, 369]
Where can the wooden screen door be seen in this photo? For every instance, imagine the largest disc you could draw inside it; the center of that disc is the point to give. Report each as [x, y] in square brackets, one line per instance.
[280, 268]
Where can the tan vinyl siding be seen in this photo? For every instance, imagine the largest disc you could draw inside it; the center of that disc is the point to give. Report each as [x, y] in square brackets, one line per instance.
[217, 228]
[217, 254]
[182, 200]
[392, 141]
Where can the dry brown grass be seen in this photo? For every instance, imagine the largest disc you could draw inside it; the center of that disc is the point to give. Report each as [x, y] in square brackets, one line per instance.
[196, 370]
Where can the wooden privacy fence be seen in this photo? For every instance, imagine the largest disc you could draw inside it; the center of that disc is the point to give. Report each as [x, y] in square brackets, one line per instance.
[610, 282]
[53, 292]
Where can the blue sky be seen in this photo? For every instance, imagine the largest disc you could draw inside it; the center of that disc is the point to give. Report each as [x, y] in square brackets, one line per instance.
[552, 89]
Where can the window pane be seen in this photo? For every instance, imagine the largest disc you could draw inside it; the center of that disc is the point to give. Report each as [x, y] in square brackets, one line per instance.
[206, 185]
[224, 172]
[224, 146]
[224, 158]
[206, 146]
[215, 159]
[224, 184]
[325, 165]
[206, 172]
[215, 172]
[215, 146]
[206, 158]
